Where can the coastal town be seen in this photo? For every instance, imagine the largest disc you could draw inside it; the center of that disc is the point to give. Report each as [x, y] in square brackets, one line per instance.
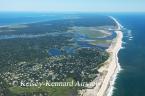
[73, 53]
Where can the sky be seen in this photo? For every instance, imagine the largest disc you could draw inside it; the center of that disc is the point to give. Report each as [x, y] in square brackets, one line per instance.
[73, 5]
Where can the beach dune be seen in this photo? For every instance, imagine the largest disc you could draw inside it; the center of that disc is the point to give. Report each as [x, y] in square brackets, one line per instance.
[110, 69]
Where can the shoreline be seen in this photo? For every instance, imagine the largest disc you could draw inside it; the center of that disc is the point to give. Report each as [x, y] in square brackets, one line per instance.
[110, 89]
[110, 69]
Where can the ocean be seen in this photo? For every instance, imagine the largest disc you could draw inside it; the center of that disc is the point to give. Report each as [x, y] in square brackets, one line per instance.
[131, 80]
[9, 18]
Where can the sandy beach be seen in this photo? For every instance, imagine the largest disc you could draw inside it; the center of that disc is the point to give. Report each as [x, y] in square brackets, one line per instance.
[108, 72]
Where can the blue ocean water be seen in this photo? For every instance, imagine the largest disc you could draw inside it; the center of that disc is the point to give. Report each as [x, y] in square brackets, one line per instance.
[8, 18]
[131, 80]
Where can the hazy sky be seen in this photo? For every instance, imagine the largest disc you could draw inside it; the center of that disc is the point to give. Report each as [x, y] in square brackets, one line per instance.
[73, 5]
